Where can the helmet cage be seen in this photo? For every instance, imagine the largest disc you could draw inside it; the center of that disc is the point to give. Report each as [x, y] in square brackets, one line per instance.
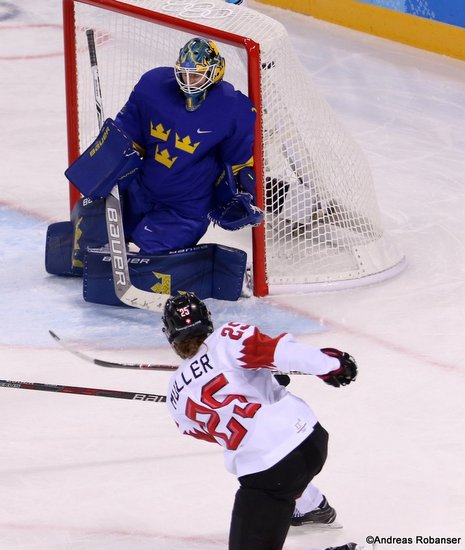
[193, 80]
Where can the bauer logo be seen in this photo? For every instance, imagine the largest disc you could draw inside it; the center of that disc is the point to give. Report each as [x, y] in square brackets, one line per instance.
[117, 245]
[100, 142]
[139, 261]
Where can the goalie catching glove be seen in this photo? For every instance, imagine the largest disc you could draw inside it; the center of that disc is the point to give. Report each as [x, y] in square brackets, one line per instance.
[345, 374]
[237, 213]
[234, 197]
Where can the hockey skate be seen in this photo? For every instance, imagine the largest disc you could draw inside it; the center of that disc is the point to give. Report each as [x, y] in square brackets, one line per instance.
[323, 515]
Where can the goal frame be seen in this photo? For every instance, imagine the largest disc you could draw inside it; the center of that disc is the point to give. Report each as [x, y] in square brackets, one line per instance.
[252, 48]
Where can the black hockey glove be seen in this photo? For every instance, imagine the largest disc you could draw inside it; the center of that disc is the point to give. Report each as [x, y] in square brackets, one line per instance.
[345, 374]
[282, 379]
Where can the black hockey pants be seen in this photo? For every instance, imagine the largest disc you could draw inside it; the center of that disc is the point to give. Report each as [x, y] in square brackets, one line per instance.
[265, 501]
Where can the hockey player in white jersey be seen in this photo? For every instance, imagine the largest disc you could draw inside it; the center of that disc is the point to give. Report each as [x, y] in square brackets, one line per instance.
[225, 392]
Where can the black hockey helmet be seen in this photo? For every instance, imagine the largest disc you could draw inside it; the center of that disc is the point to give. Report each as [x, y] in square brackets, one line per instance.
[185, 316]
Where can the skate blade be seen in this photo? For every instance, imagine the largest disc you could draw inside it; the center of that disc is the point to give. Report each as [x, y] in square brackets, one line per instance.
[319, 526]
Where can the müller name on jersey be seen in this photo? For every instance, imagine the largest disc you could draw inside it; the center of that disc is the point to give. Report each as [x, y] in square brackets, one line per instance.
[197, 368]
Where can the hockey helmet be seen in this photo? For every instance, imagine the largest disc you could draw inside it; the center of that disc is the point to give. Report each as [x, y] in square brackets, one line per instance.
[199, 66]
[185, 316]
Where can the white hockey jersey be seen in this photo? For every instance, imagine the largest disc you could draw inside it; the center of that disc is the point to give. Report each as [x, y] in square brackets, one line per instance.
[227, 394]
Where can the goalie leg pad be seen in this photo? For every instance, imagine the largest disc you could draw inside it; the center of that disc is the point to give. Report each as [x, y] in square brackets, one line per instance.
[59, 249]
[209, 270]
[109, 160]
[90, 230]
[66, 242]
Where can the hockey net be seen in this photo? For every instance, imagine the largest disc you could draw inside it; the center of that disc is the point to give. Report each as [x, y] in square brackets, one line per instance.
[322, 226]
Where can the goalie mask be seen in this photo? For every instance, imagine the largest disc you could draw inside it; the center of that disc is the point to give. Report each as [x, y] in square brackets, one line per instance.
[198, 67]
[185, 316]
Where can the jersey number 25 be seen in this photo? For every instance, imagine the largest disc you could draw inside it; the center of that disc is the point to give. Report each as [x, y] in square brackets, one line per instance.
[210, 407]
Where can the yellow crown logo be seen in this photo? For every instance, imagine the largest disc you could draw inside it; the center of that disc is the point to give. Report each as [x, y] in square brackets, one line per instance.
[159, 132]
[163, 286]
[163, 157]
[186, 144]
[77, 235]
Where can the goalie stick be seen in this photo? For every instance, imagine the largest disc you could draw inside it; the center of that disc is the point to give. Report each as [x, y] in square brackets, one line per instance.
[140, 366]
[111, 364]
[135, 396]
[124, 290]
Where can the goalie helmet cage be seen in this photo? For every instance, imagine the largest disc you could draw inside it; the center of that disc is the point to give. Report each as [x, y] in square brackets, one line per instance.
[322, 226]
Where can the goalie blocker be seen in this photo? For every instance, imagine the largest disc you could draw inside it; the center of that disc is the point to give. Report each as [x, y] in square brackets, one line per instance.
[111, 159]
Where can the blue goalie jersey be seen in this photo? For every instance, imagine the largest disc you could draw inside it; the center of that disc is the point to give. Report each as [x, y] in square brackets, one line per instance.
[185, 150]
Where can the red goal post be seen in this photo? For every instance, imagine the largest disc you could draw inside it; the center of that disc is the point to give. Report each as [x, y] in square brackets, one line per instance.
[323, 227]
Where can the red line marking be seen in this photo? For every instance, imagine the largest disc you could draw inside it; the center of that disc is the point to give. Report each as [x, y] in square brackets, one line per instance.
[378, 340]
[215, 540]
[26, 211]
[31, 26]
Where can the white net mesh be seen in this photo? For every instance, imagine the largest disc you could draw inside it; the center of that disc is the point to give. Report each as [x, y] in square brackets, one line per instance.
[322, 219]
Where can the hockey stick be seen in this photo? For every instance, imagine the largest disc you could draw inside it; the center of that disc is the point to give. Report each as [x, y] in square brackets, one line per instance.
[124, 290]
[140, 366]
[83, 391]
[95, 76]
[111, 364]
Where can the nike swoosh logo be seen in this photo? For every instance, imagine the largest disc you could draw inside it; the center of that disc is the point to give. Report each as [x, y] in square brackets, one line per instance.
[199, 131]
[147, 229]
